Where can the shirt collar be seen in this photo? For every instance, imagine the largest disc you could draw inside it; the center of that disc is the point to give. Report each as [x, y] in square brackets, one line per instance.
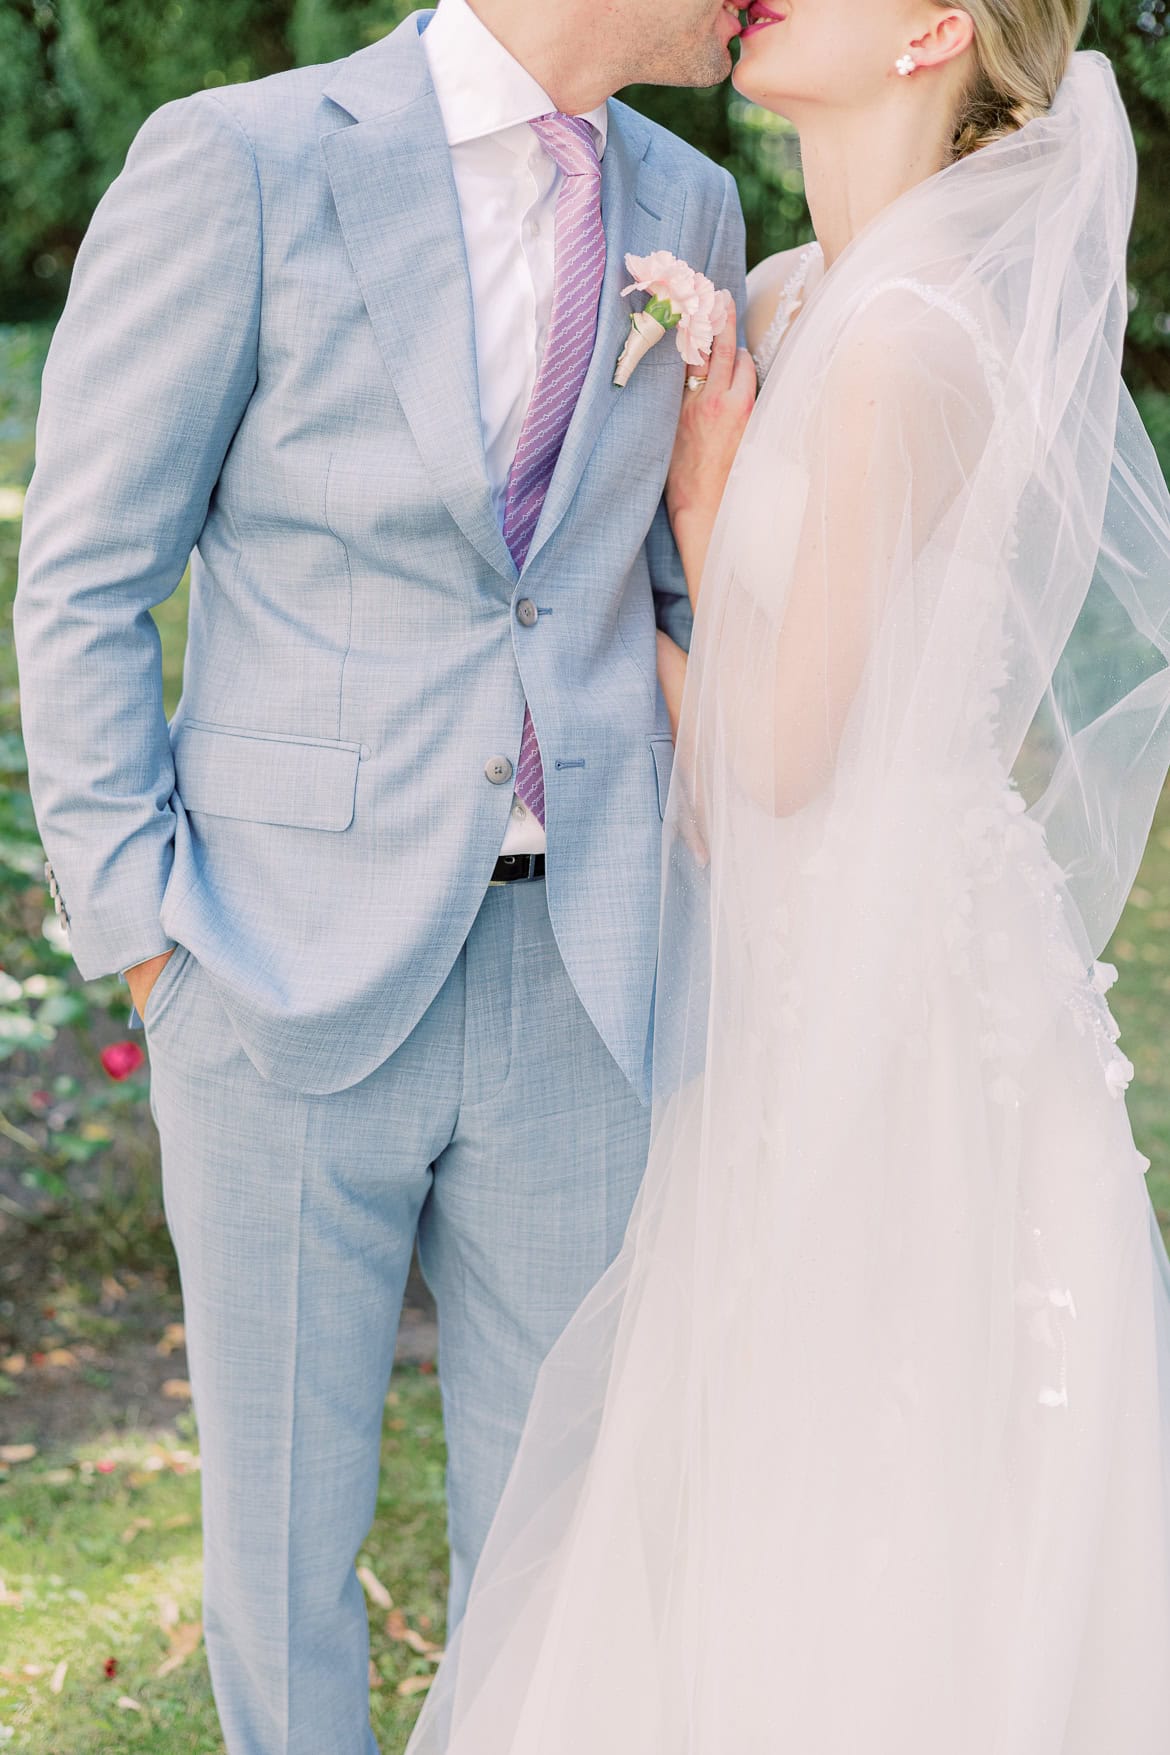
[481, 88]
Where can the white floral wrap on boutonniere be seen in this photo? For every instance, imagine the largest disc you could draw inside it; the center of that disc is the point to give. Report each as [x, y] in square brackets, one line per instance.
[680, 299]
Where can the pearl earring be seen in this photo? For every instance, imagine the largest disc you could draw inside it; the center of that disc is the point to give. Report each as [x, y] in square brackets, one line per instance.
[905, 64]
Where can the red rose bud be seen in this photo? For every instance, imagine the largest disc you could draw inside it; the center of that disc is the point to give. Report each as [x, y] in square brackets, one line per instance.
[121, 1059]
[111, 1667]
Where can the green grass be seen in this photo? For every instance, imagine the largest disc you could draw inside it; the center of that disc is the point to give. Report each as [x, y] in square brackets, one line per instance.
[1141, 1004]
[104, 1563]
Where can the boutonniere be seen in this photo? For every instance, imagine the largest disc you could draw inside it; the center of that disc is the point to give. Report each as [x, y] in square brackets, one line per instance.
[680, 299]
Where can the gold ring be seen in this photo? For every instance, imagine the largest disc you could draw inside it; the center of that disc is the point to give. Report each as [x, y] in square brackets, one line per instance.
[694, 382]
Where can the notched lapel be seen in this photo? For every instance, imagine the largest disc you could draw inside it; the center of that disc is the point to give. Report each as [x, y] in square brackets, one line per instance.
[642, 211]
[394, 190]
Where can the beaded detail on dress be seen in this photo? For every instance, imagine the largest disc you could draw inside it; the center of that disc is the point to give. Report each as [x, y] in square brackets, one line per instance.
[791, 298]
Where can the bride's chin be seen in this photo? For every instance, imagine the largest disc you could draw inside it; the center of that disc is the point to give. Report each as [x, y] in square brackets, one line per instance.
[743, 82]
[752, 83]
[750, 79]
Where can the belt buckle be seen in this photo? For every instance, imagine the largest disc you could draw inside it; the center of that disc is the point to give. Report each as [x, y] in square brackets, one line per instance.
[520, 877]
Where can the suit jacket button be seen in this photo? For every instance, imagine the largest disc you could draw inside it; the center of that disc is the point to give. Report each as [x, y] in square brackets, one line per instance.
[498, 770]
[527, 612]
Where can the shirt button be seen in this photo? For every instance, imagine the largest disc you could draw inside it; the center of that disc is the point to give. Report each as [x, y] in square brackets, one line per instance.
[527, 613]
[498, 769]
[518, 812]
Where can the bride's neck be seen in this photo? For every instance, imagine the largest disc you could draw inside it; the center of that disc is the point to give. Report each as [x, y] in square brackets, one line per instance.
[856, 165]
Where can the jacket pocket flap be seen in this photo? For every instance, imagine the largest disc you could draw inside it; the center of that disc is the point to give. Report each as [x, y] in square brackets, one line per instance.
[266, 779]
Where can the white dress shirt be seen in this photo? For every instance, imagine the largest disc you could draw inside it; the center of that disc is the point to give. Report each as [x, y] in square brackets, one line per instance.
[507, 187]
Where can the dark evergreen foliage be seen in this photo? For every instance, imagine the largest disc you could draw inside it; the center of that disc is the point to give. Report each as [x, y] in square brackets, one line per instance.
[77, 77]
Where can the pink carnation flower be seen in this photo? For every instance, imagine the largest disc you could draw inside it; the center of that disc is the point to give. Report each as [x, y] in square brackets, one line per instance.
[702, 310]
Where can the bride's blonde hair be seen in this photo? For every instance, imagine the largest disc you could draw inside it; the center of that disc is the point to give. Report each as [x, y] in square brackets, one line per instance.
[1022, 51]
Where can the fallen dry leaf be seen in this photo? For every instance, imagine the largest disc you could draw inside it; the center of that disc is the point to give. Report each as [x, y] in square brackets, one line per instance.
[177, 1389]
[397, 1627]
[414, 1685]
[183, 1521]
[136, 1527]
[174, 1336]
[62, 1358]
[184, 1640]
[422, 1646]
[57, 1477]
[168, 1612]
[17, 1453]
[57, 1679]
[113, 1292]
[375, 1589]
[124, 1703]
[375, 1680]
[14, 1364]
[34, 1669]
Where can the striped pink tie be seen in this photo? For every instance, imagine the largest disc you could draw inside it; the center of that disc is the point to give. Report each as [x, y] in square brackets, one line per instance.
[571, 143]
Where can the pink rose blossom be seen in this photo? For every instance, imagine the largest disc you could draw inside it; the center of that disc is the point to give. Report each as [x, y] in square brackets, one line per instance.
[121, 1059]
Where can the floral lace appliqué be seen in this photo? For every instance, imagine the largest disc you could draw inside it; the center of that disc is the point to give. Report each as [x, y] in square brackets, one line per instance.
[791, 299]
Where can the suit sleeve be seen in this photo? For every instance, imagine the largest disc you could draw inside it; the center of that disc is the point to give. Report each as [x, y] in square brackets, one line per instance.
[150, 371]
[726, 267]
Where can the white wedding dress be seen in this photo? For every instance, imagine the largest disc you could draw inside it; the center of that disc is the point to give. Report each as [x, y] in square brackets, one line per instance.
[862, 1447]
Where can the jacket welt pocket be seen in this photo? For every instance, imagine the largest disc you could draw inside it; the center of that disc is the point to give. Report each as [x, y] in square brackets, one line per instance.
[662, 749]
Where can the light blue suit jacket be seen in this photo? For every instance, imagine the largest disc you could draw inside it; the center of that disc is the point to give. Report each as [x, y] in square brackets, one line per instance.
[267, 363]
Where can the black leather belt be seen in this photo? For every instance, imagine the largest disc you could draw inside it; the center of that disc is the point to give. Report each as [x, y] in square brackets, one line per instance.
[518, 868]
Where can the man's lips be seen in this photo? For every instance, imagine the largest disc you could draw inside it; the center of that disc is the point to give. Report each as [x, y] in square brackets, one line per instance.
[760, 17]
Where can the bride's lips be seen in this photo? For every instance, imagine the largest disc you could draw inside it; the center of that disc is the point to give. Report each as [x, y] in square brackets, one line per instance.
[760, 17]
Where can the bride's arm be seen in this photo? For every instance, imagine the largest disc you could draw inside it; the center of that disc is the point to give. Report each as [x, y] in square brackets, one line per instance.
[886, 454]
[711, 424]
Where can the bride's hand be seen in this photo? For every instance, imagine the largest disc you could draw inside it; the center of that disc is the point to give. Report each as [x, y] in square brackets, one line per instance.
[710, 428]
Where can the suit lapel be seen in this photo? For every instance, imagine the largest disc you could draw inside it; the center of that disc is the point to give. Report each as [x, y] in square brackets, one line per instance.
[641, 212]
[394, 190]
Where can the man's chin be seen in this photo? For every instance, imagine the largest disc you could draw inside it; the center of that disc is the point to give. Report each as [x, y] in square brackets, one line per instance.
[710, 67]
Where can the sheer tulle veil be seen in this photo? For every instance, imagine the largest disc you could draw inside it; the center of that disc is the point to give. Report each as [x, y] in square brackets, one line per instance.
[862, 1442]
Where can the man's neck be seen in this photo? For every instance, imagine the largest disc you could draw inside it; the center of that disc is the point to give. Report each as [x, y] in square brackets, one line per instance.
[554, 45]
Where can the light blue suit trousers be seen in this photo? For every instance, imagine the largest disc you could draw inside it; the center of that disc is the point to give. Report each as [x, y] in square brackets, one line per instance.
[505, 1135]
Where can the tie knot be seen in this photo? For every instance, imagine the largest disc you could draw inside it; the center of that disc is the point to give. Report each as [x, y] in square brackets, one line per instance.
[571, 143]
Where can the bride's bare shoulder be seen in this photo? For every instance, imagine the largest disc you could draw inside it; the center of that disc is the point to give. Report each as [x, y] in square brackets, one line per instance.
[765, 283]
